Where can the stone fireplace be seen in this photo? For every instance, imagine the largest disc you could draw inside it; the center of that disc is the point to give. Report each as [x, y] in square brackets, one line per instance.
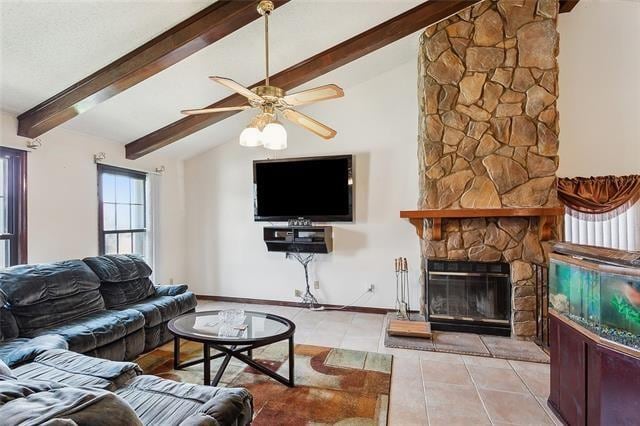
[488, 138]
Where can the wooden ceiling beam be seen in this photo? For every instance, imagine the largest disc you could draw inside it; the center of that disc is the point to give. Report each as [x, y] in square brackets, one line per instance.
[189, 36]
[356, 47]
[567, 5]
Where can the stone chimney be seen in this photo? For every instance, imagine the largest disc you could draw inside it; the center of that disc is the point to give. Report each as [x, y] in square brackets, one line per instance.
[488, 137]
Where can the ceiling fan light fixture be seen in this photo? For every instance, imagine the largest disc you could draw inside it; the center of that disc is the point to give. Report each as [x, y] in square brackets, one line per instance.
[274, 136]
[251, 137]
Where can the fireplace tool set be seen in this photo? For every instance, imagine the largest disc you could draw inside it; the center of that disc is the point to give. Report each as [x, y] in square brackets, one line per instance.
[402, 325]
[402, 288]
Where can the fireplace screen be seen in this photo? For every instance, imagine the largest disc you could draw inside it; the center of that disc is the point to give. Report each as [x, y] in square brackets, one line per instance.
[469, 292]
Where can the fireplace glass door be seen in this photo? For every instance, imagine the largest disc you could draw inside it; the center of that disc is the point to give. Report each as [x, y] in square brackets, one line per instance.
[469, 292]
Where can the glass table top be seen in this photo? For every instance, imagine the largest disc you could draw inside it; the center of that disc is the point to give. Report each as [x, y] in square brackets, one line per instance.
[207, 326]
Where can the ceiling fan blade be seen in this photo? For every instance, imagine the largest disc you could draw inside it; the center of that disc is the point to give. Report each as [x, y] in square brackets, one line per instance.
[309, 123]
[237, 87]
[212, 110]
[321, 93]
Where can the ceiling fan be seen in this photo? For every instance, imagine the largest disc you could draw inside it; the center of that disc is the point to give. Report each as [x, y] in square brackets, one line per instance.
[265, 129]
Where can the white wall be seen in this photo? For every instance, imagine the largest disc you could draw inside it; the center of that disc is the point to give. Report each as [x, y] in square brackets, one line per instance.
[62, 197]
[377, 122]
[600, 88]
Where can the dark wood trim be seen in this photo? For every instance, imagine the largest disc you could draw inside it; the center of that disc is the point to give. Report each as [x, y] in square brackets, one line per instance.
[204, 28]
[17, 205]
[121, 171]
[615, 257]
[593, 336]
[21, 220]
[567, 5]
[361, 309]
[354, 48]
[100, 170]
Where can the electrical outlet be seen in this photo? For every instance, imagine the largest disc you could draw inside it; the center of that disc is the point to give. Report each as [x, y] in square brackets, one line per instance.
[171, 281]
[371, 288]
[297, 293]
[316, 285]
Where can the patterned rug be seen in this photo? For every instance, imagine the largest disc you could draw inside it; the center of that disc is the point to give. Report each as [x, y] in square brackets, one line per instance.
[333, 386]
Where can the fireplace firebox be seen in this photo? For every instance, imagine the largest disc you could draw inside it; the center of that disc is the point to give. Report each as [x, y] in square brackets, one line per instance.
[469, 296]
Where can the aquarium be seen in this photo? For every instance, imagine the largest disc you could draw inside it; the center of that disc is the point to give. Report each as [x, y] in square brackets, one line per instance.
[600, 295]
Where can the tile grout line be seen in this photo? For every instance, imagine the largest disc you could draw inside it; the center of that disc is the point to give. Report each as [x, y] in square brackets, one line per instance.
[381, 338]
[532, 394]
[424, 391]
[475, 386]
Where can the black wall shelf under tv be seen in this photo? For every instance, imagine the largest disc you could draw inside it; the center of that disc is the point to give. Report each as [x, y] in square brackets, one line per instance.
[299, 239]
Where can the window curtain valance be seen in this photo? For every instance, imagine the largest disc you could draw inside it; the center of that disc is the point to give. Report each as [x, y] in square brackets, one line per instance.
[602, 195]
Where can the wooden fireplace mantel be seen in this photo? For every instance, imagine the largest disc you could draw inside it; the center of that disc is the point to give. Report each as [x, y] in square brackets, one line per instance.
[547, 217]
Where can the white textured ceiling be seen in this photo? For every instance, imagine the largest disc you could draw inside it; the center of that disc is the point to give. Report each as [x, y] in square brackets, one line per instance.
[48, 46]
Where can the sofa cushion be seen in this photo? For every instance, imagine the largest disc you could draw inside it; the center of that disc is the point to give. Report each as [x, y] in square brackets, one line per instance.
[159, 309]
[33, 402]
[50, 294]
[5, 371]
[170, 290]
[8, 325]
[126, 349]
[97, 329]
[165, 402]
[156, 309]
[124, 278]
[20, 350]
[73, 369]
[117, 268]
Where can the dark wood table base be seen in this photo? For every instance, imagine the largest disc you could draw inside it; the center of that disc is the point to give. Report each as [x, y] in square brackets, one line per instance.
[233, 351]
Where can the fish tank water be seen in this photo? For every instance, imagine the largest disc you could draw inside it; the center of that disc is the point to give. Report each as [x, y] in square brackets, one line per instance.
[599, 296]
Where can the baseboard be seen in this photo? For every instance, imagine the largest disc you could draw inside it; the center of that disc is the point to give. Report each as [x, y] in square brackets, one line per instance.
[363, 309]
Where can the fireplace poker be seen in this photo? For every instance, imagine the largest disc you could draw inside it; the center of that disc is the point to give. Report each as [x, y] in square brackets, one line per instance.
[403, 290]
[405, 266]
[397, 269]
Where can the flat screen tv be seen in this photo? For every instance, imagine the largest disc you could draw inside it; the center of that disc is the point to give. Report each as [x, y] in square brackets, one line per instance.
[316, 188]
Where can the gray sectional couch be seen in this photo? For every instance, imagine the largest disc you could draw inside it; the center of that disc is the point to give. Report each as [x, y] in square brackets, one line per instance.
[59, 387]
[108, 309]
[103, 306]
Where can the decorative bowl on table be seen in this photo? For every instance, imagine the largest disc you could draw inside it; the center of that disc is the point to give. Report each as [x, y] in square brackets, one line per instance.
[231, 317]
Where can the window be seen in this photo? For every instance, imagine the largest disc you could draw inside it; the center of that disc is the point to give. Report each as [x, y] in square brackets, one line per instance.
[13, 211]
[121, 211]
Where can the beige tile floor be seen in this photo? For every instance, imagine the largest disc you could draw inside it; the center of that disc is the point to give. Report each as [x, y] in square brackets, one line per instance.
[429, 388]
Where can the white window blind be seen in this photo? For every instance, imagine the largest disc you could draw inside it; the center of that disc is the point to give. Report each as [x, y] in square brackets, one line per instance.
[620, 231]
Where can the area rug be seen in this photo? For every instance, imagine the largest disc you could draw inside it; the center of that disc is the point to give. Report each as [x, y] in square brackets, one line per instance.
[469, 344]
[333, 386]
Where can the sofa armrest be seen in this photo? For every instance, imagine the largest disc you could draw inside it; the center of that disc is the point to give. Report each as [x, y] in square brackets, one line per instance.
[28, 350]
[170, 290]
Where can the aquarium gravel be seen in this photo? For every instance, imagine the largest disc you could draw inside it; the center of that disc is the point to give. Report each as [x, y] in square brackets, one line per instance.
[619, 336]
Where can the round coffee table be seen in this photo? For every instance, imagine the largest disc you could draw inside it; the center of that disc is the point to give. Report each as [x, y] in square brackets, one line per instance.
[259, 329]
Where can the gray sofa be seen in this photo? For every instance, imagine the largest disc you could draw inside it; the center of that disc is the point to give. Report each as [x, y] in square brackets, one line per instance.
[106, 307]
[59, 387]
[103, 306]
[125, 285]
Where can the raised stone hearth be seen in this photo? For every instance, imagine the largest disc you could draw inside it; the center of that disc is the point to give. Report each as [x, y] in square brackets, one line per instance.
[489, 135]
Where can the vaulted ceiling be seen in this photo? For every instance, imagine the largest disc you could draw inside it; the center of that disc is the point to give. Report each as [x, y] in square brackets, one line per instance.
[47, 47]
